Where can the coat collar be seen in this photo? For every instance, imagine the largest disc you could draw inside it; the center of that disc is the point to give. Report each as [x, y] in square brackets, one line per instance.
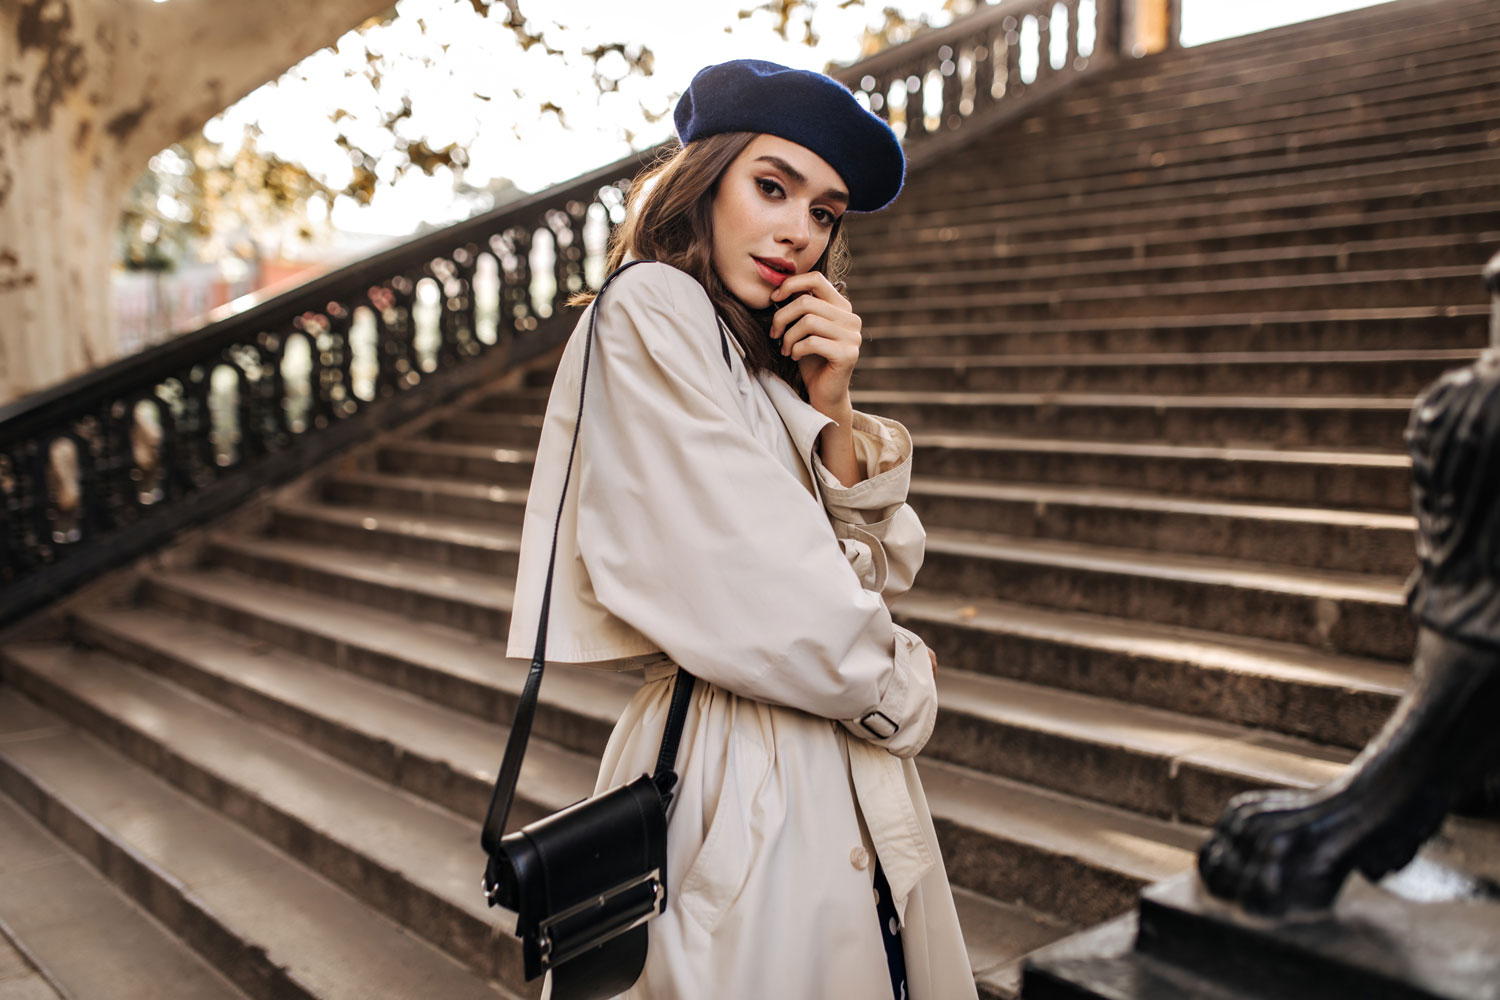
[802, 420]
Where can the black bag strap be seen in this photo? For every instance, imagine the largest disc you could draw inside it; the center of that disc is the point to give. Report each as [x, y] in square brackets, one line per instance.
[520, 730]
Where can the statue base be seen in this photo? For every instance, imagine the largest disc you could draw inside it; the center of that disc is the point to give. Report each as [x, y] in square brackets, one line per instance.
[1426, 933]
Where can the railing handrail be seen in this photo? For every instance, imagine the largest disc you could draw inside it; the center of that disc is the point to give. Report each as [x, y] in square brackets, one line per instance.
[961, 28]
[21, 417]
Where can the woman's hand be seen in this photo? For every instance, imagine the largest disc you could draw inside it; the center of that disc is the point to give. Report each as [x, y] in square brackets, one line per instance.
[819, 330]
[822, 333]
[934, 662]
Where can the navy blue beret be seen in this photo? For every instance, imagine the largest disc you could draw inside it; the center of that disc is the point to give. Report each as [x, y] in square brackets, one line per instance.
[810, 109]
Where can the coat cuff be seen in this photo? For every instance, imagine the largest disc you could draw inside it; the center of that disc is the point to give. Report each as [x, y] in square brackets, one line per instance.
[882, 448]
[904, 719]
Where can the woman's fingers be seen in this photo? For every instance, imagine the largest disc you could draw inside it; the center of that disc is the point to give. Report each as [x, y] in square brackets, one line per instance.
[934, 661]
[830, 349]
[813, 283]
[815, 318]
[787, 316]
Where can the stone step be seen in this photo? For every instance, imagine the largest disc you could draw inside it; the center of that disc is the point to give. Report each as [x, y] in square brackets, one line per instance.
[947, 254]
[1460, 147]
[1453, 327]
[434, 752]
[1023, 275]
[20, 978]
[516, 430]
[1447, 130]
[443, 498]
[440, 460]
[1165, 764]
[1204, 219]
[487, 427]
[395, 728]
[460, 599]
[1296, 65]
[1227, 123]
[1210, 77]
[1000, 936]
[1314, 538]
[1340, 37]
[1107, 853]
[1096, 147]
[1267, 373]
[1080, 861]
[1362, 481]
[1282, 688]
[1440, 286]
[472, 675]
[81, 937]
[474, 546]
[527, 402]
[1352, 422]
[459, 671]
[1353, 614]
[1450, 327]
[303, 916]
[1145, 760]
[1448, 166]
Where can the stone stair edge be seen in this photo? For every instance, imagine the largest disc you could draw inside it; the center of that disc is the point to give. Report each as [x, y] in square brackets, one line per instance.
[1036, 218]
[1230, 174]
[200, 909]
[134, 956]
[1139, 242]
[1084, 848]
[1134, 81]
[1002, 271]
[299, 813]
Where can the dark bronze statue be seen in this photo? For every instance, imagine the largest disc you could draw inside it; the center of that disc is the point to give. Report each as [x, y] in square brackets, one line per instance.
[1274, 851]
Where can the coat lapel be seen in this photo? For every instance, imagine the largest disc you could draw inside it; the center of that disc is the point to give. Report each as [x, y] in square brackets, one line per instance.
[802, 421]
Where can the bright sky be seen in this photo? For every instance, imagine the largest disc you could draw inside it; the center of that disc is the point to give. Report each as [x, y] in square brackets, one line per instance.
[1210, 20]
[484, 91]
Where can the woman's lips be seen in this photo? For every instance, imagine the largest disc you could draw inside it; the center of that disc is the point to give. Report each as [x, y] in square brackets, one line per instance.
[770, 274]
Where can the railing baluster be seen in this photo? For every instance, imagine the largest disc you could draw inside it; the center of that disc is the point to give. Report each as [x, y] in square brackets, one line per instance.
[1073, 54]
[916, 114]
[953, 89]
[984, 72]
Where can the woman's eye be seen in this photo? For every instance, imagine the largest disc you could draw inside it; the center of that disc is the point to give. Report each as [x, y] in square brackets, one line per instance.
[769, 187]
[824, 217]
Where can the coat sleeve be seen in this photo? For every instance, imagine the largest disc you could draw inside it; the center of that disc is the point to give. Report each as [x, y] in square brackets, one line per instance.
[880, 533]
[693, 532]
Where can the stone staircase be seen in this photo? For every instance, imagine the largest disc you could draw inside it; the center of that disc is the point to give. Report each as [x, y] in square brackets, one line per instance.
[1156, 346]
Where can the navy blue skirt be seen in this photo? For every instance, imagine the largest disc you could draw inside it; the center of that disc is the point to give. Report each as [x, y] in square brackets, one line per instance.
[890, 934]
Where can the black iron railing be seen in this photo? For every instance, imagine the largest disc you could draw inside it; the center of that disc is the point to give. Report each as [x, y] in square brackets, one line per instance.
[944, 87]
[109, 465]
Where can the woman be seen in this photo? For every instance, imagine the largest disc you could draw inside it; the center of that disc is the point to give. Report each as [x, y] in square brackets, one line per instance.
[732, 513]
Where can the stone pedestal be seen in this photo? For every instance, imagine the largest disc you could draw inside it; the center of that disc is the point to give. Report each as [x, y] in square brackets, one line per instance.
[1183, 944]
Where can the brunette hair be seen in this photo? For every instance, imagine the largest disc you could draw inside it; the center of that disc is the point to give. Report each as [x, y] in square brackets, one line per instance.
[670, 219]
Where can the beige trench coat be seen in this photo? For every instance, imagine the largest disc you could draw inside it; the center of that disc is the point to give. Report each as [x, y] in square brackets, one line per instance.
[701, 528]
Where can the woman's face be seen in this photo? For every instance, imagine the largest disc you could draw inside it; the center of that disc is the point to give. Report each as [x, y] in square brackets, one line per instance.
[773, 214]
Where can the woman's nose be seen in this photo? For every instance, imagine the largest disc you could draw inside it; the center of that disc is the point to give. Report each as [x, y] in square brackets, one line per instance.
[794, 230]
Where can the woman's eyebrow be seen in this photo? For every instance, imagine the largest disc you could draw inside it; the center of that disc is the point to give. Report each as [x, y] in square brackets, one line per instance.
[832, 194]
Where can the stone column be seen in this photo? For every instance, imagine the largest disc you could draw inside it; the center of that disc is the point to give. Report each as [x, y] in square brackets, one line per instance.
[89, 91]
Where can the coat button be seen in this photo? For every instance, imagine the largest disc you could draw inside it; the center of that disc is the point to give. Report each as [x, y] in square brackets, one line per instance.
[859, 858]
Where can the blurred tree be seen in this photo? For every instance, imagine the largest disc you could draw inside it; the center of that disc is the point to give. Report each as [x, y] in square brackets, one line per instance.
[227, 176]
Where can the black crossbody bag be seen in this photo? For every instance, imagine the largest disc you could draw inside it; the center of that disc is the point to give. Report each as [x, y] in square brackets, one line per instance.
[583, 881]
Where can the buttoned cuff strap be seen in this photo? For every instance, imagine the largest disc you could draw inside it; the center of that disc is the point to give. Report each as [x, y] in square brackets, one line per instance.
[879, 726]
